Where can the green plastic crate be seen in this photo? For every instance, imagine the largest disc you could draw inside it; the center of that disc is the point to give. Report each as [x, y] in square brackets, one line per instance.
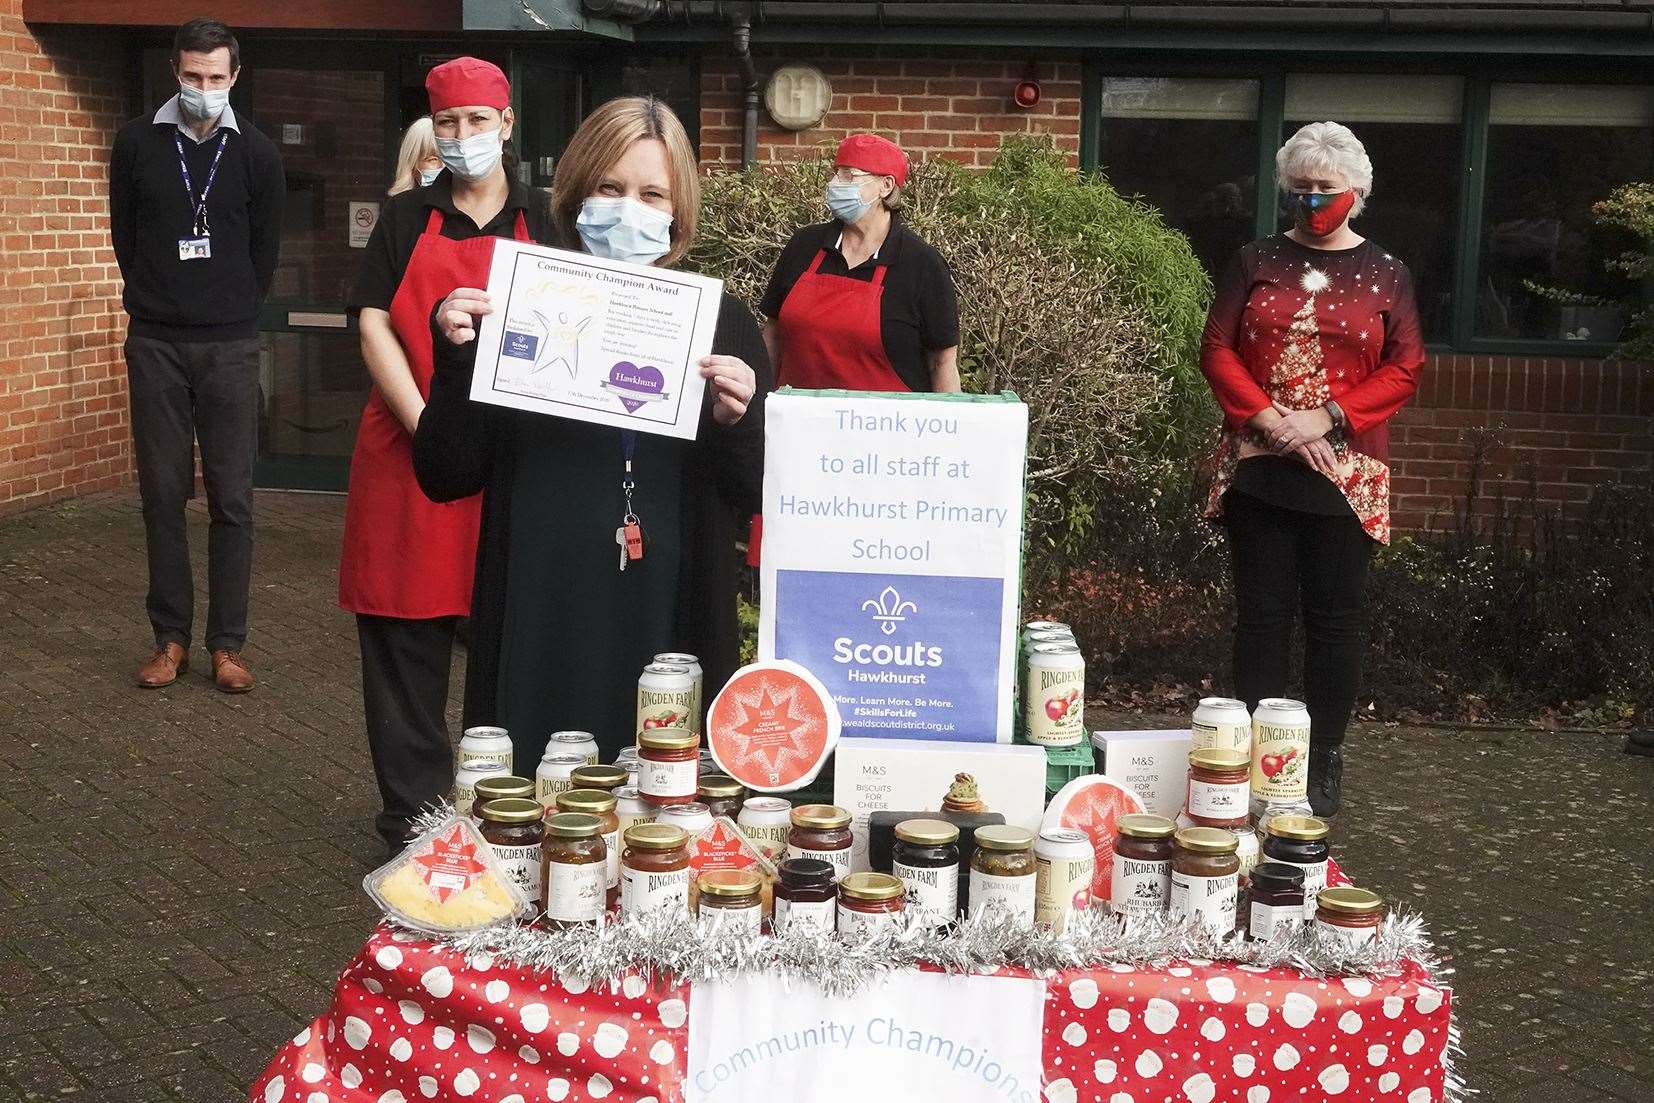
[1064, 764]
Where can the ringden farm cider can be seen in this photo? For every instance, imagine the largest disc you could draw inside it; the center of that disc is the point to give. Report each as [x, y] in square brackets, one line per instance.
[480, 745]
[1064, 860]
[665, 697]
[1053, 708]
[697, 704]
[1221, 724]
[1280, 751]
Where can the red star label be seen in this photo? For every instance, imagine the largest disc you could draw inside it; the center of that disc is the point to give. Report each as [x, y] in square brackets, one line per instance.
[769, 722]
[450, 865]
[723, 846]
[772, 726]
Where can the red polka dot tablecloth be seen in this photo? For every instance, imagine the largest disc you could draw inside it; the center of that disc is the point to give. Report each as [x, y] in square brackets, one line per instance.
[412, 1020]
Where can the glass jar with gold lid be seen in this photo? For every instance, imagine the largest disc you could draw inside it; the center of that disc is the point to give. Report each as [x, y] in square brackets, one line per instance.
[654, 869]
[500, 787]
[731, 898]
[669, 762]
[1002, 871]
[722, 794]
[597, 775]
[574, 869]
[821, 831]
[1220, 787]
[925, 857]
[512, 827]
[1300, 841]
[1206, 877]
[1141, 881]
[1352, 914]
[600, 803]
[869, 903]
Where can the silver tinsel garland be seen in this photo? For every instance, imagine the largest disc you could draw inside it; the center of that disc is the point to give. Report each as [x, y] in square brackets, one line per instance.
[677, 950]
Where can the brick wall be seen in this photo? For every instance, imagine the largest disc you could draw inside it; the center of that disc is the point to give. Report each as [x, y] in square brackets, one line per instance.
[1572, 424]
[63, 414]
[953, 104]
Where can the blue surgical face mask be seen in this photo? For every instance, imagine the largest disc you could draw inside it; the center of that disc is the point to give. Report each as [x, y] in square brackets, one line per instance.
[428, 176]
[199, 103]
[621, 228]
[471, 158]
[845, 201]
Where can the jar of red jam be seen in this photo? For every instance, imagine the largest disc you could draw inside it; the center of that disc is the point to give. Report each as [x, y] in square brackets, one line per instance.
[869, 903]
[1141, 883]
[1353, 915]
[654, 870]
[1220, 784]
[722, 794]
[804, 895]
[669, 764]
[821, 831]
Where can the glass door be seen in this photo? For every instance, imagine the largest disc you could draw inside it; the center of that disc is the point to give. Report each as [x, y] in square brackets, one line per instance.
[332, 115]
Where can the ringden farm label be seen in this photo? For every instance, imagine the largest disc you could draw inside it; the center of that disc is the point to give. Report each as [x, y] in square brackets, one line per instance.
[1054, 709]
[1280, 753]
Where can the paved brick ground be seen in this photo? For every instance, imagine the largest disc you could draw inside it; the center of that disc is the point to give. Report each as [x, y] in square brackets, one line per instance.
[179, 878]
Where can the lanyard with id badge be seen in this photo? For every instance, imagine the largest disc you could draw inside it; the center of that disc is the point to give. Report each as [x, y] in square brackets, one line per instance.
[199, 246]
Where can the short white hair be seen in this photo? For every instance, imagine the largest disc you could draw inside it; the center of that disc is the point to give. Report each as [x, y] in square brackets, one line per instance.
[1327, 149]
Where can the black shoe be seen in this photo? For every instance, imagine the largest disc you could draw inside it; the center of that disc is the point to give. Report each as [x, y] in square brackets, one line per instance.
[1640, 742]
[1326, 779]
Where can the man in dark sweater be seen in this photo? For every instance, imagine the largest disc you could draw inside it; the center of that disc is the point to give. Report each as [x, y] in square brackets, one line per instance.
[195, 198]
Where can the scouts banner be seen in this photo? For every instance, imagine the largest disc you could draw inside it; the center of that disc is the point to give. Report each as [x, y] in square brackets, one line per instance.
[892, 556]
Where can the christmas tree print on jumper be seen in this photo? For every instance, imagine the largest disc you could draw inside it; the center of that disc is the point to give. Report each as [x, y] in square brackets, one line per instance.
[1299, 378]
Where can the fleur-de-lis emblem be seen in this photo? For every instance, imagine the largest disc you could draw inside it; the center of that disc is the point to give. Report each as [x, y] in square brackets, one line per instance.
[889, 609]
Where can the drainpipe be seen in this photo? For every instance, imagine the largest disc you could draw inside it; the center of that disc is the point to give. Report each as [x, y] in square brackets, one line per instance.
[742, 28]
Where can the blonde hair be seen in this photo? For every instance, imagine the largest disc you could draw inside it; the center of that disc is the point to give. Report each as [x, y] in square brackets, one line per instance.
[601, 140]
[417, 144]
[1329, 148]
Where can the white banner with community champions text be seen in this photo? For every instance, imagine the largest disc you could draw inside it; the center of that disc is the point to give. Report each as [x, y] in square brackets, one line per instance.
[892, 556]
[918, 1036]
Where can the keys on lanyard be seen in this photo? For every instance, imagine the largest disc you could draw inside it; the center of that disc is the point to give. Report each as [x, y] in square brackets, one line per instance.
[630, 533]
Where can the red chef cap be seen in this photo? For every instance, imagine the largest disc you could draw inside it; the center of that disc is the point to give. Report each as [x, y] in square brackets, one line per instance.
[468, 82]
[874, 154]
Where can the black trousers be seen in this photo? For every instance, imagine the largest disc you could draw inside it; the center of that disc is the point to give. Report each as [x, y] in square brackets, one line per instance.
[1287, 562]
[183, 391]
[405, 666]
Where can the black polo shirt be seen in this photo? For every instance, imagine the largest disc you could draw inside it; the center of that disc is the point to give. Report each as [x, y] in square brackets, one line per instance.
[918, 313]
[402, 220]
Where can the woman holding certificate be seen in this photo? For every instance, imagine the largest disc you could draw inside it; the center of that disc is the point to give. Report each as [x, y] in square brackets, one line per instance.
[564, 617]
[407, 561]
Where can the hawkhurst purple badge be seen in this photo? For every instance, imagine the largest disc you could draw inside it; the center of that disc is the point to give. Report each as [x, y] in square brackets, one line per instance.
[635, 385]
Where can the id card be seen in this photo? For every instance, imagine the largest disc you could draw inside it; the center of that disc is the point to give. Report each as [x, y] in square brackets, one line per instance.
[194, 248]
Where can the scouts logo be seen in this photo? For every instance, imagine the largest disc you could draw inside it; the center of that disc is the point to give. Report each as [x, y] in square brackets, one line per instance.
[889, 609]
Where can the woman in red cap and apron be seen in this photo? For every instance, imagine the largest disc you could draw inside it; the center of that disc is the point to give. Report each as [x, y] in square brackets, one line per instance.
[408, 562]
[862, 302]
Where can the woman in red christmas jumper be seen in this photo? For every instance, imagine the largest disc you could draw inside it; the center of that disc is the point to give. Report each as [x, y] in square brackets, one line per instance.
[1311, 345]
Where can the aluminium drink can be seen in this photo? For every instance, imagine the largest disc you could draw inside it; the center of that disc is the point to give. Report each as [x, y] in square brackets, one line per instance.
[665, 697]
[1280, 751]
[1221, 724]
[1053, 706]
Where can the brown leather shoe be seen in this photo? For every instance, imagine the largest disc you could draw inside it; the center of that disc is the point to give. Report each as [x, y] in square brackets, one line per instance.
[230, 673]
[163, 667]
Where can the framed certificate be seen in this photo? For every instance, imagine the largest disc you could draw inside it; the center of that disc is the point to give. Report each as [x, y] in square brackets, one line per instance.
[595, 340]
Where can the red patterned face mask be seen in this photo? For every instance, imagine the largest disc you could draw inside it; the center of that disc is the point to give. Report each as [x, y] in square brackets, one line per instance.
[1320, 213]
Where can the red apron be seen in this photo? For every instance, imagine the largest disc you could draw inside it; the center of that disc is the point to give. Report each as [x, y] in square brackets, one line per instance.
[405, 555]
[831, 335]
